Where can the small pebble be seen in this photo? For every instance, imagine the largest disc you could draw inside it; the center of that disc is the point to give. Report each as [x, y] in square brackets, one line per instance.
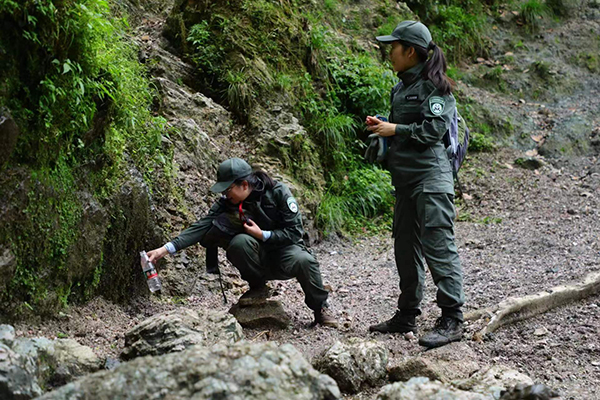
[540, 331]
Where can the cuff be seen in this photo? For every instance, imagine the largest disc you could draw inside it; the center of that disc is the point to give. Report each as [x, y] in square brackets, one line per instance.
[401, 129]
[266, 235]
[171, 248]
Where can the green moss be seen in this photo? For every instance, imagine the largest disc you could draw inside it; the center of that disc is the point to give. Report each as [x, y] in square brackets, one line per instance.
[82, 103]
[587, 60]
[533, 13]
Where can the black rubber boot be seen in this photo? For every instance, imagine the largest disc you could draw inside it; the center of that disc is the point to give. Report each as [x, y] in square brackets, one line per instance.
[399, 323]
[446, 330]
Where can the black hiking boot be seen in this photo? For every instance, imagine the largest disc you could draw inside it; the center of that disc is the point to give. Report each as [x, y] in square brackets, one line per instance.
[325, 317]
[446, 330]
[399, 323]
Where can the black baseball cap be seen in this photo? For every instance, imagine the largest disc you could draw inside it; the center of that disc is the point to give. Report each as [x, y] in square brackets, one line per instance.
[229, 171]
[412, 32]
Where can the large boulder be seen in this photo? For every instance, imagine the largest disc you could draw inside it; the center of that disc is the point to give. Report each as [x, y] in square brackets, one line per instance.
[28, 366]
[354, 364]
[249, 371]
[177, 330]
[530, 392]
[423, 389]
[444, 364]
[17, 376]
[494, 380]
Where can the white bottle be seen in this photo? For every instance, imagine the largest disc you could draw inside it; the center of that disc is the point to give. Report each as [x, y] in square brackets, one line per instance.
[150, 272]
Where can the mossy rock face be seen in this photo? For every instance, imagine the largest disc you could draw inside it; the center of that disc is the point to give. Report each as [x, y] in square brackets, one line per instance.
[570, 137]
[59, 244]
[131, 230]
[9, 132]
[184, 14]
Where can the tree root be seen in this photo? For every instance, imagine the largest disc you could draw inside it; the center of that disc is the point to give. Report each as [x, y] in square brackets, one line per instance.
[517, 309]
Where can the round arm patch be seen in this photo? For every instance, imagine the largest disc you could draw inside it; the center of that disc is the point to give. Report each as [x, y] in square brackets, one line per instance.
[292, 204]
[436, 105]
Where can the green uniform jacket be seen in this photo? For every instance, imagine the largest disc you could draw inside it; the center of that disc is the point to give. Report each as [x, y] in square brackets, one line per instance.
[417, 155]
[273, 210]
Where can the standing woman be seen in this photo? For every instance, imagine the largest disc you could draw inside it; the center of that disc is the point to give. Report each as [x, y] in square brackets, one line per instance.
[421, 112]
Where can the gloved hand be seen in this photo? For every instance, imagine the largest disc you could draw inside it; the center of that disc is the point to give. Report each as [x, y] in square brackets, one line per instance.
[377, 148]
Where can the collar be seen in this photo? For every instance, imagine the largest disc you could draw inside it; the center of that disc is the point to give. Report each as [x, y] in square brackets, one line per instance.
[412, 75]
[256, 194]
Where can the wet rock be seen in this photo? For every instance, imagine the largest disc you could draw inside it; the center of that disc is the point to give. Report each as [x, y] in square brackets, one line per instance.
[7, 266]
[131, 227]
[493, 381]
[85, 255]
[261, 313]
[9, 132]
[177, 330]
[28, 365]
[444, 364]
[252, 371]
[354, 364]
[532, 392]
[423, 389]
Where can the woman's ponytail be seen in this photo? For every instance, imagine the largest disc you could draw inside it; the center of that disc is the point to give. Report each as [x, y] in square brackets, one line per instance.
[435, 70]
[259, 180]
[435, 66]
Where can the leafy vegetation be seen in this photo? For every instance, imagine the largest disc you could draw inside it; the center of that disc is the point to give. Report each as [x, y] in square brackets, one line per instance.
[73, 84]
[532, 13]
[262, 53]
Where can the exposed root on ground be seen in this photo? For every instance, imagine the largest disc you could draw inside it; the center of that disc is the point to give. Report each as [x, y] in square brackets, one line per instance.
[517, 309]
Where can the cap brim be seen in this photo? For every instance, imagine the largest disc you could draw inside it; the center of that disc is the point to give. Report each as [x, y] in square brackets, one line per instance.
[220, 187]
[387, 39]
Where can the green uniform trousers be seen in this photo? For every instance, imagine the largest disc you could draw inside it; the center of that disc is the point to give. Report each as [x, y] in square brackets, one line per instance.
[424, 230]
[258, 262]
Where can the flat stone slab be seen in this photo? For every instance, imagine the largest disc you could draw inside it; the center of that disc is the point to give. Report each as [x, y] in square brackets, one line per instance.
[261, 314]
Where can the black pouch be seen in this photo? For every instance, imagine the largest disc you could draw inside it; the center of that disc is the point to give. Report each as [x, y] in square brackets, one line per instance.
[224, 228]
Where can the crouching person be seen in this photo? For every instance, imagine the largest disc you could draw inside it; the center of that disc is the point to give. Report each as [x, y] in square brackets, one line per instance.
[258, 222]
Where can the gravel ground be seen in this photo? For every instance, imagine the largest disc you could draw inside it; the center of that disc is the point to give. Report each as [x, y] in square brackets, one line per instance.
[522, 232]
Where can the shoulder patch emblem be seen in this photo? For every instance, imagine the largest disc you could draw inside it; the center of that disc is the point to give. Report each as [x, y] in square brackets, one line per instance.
[436, 105]
[292, 205]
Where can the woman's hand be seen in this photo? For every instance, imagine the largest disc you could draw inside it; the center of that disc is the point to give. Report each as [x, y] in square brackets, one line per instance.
[253, 230]
[379, 127]
[157, 254]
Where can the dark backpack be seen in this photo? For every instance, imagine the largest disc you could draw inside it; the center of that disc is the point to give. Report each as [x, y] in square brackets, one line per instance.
[456, 141]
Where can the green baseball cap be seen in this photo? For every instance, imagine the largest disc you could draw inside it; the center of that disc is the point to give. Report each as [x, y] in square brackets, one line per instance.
[412, 32]
[229, 171]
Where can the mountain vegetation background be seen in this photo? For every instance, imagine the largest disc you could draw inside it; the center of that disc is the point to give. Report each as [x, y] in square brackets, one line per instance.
[88, 170]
